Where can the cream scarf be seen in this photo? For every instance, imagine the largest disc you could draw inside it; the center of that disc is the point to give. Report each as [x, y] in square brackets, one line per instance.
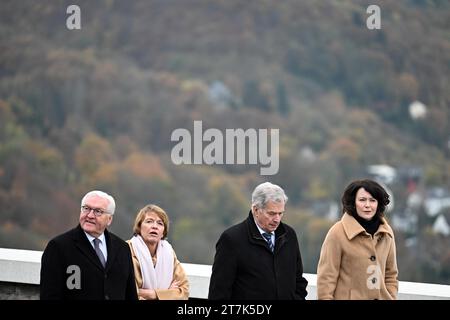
[161, 275]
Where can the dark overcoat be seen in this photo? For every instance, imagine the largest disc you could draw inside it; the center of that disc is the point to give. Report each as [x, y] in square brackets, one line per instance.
[71, 270]
[245, 268]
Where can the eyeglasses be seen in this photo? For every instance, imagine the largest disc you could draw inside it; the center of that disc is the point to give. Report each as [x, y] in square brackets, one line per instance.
[97, 212]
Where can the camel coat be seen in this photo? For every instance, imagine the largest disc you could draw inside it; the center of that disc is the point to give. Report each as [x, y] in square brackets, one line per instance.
[354, 265]
[182, 293]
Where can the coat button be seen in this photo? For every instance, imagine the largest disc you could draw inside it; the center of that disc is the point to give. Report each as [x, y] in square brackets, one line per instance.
[372, 258]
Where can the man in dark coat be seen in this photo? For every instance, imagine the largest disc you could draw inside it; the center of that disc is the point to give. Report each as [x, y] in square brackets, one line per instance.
[88, 262]
[259, 258]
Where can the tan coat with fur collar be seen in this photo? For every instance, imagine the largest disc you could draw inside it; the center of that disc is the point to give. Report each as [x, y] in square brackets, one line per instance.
[353, 265]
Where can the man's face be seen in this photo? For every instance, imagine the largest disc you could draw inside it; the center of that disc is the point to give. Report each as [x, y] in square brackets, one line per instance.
[269, 217]
[90, 223]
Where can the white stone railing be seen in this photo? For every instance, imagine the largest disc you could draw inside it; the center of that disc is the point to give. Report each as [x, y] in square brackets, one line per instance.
[23, 267]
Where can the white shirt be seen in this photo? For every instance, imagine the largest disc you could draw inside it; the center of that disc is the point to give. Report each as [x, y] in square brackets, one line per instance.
[272, 234]
[102, 244]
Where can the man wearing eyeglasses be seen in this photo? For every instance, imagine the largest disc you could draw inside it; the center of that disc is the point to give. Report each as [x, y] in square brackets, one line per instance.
[259, 258]
[89, 262]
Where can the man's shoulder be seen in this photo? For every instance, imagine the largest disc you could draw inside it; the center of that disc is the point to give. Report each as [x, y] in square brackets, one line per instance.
[236, 229]
[62, 241]
[65, 236]
[235, 232]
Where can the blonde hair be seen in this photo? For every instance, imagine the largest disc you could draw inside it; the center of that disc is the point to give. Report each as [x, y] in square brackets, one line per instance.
[141, 217]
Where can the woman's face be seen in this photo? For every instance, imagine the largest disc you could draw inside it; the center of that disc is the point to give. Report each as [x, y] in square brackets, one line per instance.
[152, 228]
[366, 205]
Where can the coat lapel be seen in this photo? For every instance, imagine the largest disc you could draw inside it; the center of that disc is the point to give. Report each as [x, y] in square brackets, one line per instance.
[256, 237]
[280, 236]
[110, 244]
[352, 227]
[82, 243]
[384, 229]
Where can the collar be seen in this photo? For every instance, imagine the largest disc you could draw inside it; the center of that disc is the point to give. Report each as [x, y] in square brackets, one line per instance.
[255, 230]
[261, 230]
[90, 238]
[352, 227]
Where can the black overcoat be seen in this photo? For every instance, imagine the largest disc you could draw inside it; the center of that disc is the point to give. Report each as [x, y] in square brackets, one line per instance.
[245, 268]
[71, 253]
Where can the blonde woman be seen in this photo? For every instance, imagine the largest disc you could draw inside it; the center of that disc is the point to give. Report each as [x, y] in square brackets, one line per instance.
[159, 275]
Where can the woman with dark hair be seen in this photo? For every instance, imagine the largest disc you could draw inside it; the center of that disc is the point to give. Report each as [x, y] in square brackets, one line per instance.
[358, 256]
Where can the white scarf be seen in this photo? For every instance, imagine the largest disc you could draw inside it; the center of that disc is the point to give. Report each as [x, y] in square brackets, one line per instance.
[159, 277]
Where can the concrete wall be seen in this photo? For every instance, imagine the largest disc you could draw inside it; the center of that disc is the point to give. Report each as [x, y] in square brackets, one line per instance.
[19, 279]
[18, 291]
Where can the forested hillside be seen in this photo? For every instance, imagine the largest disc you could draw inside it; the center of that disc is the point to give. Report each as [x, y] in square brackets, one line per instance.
[95, 108]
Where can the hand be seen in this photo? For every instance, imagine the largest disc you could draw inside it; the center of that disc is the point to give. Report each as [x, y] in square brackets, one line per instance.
[175, 284]
[147, 294]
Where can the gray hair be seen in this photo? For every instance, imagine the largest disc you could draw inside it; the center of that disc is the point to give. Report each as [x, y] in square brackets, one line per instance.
[111, 203]
[266, 192]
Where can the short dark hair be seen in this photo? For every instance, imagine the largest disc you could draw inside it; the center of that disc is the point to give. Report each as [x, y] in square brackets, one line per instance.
[372, 187]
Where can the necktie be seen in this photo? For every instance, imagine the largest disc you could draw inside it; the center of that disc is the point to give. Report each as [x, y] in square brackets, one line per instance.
[268, 238]
[99, 252]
